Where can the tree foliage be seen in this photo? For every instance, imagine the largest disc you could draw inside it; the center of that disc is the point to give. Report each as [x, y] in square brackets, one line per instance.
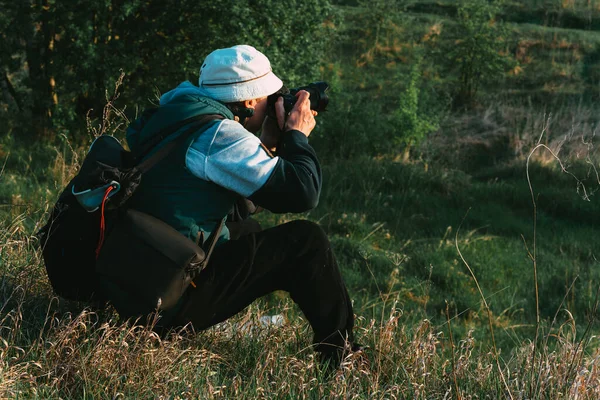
[60, 57]
[412, 123]
[475, 52]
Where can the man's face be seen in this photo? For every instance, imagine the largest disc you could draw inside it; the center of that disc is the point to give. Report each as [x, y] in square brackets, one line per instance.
[254, 123]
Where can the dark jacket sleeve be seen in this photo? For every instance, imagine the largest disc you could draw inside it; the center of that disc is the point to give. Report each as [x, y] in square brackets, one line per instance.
[295, 183]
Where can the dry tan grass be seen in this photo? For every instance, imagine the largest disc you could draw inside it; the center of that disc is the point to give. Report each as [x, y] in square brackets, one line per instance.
[93, 355]
[47, 352]
[503, 133]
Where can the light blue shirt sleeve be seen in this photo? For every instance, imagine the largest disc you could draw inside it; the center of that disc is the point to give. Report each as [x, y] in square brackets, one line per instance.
[230, 156]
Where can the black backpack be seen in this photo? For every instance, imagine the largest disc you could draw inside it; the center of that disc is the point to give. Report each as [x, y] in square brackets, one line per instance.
[82, 243]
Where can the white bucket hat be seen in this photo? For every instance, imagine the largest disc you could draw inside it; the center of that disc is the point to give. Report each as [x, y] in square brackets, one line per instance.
[236, 74]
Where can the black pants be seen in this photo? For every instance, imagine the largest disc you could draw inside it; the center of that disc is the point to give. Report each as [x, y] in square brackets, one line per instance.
[295, 257]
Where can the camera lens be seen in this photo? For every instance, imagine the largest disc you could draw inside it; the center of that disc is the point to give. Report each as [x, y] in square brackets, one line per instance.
[318, 98]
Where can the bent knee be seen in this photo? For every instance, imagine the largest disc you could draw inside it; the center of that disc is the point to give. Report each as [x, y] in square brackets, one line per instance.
[308, 232]
[307, 227]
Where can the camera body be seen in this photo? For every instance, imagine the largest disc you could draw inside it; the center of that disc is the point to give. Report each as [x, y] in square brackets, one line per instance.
[318, 98]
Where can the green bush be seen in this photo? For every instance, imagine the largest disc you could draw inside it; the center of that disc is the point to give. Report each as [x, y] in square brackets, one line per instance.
[356, 125]
[353, 124]
[412, 123]
[473, 53]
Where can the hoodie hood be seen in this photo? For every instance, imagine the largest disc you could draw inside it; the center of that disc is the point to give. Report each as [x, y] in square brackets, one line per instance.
[183, 102]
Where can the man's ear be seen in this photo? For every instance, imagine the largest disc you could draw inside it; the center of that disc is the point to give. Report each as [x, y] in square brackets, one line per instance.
[250, 103]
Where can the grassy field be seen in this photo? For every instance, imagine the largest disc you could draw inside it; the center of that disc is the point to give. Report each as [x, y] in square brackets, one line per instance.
[470, 257]
[395, 228]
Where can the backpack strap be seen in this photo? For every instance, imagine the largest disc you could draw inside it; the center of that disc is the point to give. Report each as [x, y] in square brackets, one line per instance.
[147, 164]
[211, 242]
[149, 144]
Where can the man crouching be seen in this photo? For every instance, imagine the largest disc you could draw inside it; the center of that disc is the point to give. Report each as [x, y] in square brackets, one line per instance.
[196, 186]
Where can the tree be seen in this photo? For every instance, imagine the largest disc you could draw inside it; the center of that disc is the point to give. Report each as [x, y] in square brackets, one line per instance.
[475, 49]
[66, 54]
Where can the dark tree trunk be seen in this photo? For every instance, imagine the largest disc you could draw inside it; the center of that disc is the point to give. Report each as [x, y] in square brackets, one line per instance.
[8, 86]
[39, 59]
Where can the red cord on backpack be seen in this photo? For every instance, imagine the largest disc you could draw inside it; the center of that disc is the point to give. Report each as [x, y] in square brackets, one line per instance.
[102, 224]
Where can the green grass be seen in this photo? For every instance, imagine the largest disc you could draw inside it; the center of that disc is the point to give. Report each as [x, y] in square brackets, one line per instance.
[395, 229]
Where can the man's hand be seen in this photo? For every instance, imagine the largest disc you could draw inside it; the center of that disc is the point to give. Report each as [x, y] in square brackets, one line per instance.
[300, 118]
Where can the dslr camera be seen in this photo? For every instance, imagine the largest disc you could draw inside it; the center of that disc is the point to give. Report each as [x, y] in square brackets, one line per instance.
[318, 98]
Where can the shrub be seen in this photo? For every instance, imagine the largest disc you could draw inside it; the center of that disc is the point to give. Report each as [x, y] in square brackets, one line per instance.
[473, 53]
[412, 123]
